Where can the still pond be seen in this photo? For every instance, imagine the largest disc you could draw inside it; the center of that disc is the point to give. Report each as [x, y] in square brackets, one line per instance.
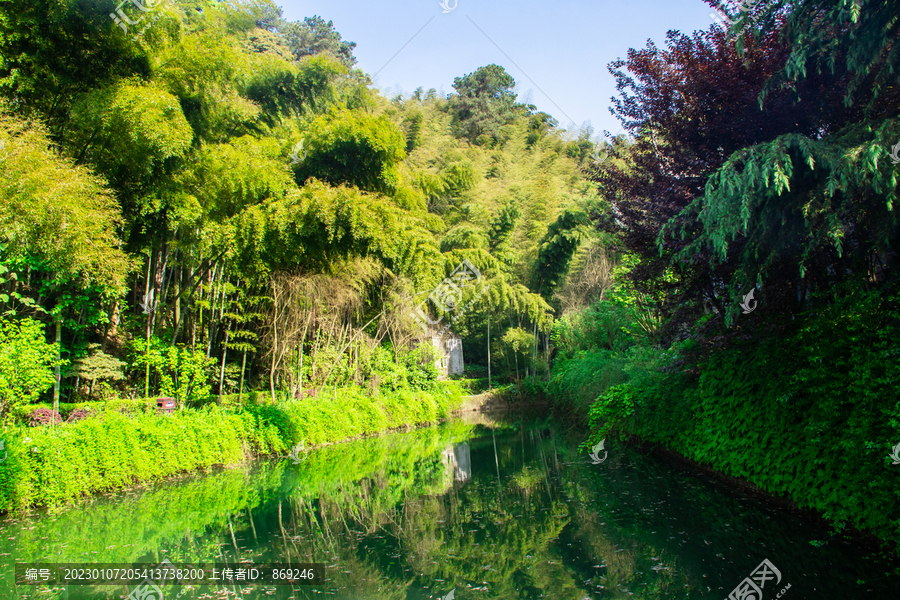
[507, 507]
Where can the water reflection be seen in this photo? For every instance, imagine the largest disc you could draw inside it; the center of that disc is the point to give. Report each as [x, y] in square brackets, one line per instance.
[459, 461]
[510, 510]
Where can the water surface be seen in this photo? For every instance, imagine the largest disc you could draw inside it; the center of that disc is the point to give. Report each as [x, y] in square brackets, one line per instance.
[510, 510]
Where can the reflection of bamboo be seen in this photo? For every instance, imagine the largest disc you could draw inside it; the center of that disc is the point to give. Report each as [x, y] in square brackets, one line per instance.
[340, 512]
[497, 463]
[252, 526]
[225, 560]
[284, 534]
[522, 430]
[291, 538]
[326, 527]
[555, 455]
[544, 465]
[237, 551]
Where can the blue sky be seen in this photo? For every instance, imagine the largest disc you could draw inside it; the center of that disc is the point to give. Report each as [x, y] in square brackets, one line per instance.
[557, 50]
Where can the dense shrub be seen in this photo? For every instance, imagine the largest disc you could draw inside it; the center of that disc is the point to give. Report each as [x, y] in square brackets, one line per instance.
[581, 379]
[612, 410]
[79, 414]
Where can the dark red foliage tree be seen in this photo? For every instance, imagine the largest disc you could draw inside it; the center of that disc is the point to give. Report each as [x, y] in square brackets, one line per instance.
[688, 108]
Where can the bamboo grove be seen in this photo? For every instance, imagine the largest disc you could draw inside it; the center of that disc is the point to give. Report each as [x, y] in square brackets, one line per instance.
[223, 203]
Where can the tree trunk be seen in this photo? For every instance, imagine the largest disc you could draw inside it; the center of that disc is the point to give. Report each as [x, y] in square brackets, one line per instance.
[275, 342]
[222, 371]
[57, 372]
[489, 349]
[241, 389]
[302, 342]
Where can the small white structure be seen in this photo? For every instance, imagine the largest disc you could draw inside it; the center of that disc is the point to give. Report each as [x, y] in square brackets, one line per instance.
[448, 355]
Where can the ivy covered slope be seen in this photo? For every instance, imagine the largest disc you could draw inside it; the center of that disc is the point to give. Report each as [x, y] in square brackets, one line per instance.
[748, 314]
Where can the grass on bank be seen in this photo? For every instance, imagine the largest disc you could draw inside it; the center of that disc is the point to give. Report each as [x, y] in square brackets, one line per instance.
[48, 466]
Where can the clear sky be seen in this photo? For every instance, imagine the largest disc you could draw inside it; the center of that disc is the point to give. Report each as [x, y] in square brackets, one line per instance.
[557, 50]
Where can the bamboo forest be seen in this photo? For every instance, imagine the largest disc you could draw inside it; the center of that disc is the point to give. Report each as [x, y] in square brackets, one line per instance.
[271, 328]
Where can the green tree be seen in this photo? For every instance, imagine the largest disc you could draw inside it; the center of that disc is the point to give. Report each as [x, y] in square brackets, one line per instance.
[97, 366]
[520, 343]
[315, 36]
[52, 51]
[485, 101]
[56, 211]
[353, 148]
[557, 248]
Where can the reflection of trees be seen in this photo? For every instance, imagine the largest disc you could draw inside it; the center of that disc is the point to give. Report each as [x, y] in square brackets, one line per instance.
[387, 516]
[130, 526]
[496, 546]
[389, 519]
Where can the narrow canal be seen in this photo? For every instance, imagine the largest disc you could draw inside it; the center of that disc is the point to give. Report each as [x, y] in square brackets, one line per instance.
[507, 509]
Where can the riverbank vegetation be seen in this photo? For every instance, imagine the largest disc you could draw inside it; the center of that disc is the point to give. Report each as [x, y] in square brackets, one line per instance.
[126, 445]
[223, 211]
[753, 326]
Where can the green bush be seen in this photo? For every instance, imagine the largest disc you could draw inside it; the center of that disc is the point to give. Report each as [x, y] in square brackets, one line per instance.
[415, 369]
[52, 465]
[578, 381]
[180, 372]
[26, 363]
[613, 410]
[608, 324]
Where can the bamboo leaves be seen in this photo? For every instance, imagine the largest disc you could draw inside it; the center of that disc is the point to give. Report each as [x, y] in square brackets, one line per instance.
[54, 210]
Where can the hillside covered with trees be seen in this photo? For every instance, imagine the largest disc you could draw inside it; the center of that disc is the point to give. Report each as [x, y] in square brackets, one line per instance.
[220, 206]
[228, 205]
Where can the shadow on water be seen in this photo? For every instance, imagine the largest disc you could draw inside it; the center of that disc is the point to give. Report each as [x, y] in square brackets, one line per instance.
[497, 507]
